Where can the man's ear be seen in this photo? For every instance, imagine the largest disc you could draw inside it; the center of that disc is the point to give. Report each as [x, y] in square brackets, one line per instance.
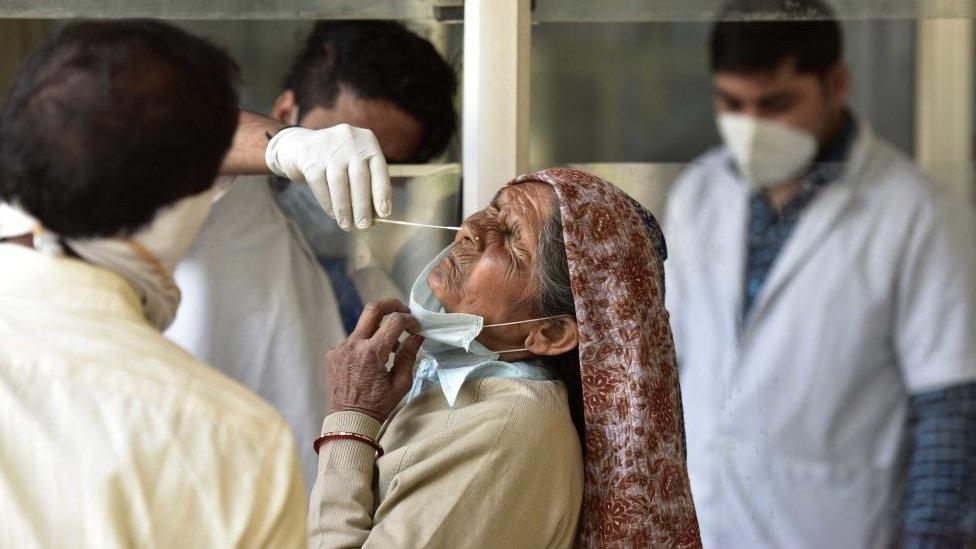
[838, 84]
[553, 337]
[285, 110]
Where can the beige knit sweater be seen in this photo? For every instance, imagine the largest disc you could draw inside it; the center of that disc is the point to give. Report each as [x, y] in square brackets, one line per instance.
[503, 468]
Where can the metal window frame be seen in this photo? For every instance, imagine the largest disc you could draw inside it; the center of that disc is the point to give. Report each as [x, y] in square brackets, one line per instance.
[543, 11]
[495, 118]
[944, 102]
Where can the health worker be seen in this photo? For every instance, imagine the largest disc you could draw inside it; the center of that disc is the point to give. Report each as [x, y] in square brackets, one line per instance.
[268, 284]
[823, 299]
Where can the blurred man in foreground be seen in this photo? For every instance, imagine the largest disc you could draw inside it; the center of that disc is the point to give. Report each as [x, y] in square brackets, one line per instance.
[113, 436]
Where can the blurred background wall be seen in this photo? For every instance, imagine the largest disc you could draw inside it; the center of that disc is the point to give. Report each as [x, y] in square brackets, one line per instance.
[642, 92]
[637, 95]
[636, 92]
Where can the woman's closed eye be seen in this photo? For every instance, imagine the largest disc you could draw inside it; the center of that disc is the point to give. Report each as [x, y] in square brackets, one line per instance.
[512, 233]
[494, 229]
[519, 253]
[503, 229]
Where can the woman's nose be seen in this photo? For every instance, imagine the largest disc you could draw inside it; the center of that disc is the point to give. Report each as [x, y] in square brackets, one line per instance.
[469, 235]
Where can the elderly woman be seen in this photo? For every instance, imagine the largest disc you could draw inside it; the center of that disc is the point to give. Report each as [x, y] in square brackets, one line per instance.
[538, 406]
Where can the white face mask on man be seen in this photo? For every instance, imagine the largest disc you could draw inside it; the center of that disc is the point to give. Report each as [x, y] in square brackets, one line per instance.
[767, 153]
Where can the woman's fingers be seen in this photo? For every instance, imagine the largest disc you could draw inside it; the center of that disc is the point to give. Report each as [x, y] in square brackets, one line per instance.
[357, 367]
[373, 315]
[391, 328]
[402, 372]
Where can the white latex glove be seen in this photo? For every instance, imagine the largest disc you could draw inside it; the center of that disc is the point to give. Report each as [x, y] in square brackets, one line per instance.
[343, 165]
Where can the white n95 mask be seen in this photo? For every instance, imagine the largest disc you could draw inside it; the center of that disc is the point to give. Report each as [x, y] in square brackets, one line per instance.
[767, 153]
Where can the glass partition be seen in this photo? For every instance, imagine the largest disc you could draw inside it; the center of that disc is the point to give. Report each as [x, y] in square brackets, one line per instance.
[643, 92]
[388, 258]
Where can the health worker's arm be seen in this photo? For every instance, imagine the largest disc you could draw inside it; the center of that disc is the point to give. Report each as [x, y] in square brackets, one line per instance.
[343, 165]
[933, 334]
[940, 507]
[246, 154]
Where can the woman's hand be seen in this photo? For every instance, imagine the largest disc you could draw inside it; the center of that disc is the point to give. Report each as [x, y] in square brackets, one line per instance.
[358, 379]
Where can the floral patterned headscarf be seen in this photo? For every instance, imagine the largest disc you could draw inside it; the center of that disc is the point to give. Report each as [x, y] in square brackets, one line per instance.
[636, 491]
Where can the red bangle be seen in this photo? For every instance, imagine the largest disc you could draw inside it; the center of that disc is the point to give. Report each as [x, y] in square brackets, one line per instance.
[345, 435]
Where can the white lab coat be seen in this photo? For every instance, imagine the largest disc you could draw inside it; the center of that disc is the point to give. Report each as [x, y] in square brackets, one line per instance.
[796, 415]
[258, 307]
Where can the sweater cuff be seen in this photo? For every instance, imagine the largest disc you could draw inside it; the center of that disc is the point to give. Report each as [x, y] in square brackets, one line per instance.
[349, 454]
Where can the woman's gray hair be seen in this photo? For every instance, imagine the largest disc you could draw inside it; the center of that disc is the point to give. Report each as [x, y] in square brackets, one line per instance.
[555, 297]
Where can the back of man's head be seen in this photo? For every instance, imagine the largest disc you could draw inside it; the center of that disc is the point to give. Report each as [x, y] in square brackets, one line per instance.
[758, 36]
[110, 121]
[378, 60]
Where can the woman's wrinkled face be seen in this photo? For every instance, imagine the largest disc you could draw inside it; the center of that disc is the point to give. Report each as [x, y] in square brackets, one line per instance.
[490, 270]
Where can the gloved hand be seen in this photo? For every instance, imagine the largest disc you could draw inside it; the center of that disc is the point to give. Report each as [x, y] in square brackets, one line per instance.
[343, 165]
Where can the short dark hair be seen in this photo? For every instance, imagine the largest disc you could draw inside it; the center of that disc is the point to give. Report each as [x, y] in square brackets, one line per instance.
[756, 36]
[110, 121]
[379, 60]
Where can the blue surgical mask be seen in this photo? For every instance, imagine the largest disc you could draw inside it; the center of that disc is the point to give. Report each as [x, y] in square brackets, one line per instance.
[450, 354]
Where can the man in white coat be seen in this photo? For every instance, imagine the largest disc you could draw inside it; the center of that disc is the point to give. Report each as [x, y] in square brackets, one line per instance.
[823, 300]
[267, 287]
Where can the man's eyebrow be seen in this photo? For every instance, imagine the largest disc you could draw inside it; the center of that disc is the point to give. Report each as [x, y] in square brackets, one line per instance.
[783, 95]
[726, 96]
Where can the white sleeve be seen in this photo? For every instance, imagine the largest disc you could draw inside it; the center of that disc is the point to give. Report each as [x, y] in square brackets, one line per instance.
[935, 319]
[676, 237]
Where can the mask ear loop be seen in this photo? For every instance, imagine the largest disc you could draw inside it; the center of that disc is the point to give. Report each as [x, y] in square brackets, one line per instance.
[523, 321]
[519, 322]
[512, 350]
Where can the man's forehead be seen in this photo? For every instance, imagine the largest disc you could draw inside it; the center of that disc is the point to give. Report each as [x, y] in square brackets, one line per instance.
[399, 133]
[782, 77]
